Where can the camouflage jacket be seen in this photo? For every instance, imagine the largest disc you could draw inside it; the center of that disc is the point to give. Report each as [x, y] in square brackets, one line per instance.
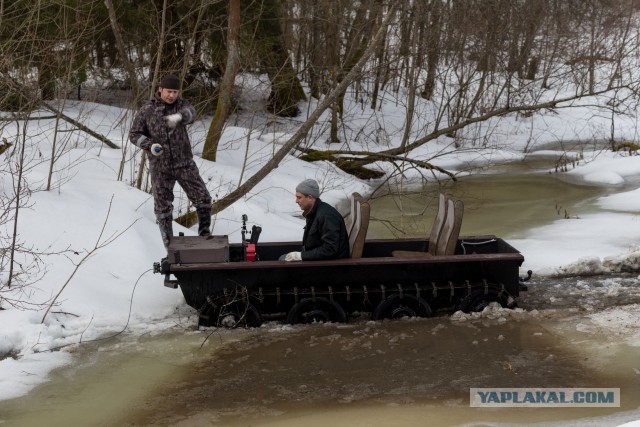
[149, 127]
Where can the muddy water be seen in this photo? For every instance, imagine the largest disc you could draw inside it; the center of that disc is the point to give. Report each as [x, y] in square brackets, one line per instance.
[408, 372]
[107, 377]
[401, 373]
[500, 204]
[507, 199]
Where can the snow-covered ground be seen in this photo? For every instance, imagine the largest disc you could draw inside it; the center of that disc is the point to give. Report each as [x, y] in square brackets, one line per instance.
[89, 211]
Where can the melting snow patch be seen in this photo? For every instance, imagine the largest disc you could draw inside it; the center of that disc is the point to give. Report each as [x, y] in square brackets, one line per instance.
[493, 311]
[627, 263]
[587, 265]
[624, 263]
[621, 321]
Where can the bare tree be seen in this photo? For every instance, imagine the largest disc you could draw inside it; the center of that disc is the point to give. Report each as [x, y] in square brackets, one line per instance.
[21, 265]
[226, 87]
[128, 65]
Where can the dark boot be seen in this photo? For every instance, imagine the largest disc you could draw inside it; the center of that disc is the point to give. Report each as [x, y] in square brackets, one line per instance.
[204, 220]
[166, 228]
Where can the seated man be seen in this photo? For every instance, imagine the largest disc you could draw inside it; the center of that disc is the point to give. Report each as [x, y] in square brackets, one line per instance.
[325, 235]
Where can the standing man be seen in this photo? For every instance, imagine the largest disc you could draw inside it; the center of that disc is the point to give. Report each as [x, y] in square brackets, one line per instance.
[325, 235]
[159, 128]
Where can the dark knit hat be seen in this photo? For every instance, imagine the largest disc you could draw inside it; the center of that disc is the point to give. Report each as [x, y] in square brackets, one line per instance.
[170, 81]
[309, 187]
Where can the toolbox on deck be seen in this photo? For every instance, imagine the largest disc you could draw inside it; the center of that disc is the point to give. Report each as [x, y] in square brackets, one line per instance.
[195, 249]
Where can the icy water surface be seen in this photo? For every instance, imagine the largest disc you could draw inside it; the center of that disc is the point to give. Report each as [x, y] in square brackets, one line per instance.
[503, 205]
[506, 200]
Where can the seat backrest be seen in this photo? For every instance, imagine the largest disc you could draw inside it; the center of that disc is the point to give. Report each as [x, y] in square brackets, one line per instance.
[359, 226]
[451, 228]
[353, 212]
[438, 223]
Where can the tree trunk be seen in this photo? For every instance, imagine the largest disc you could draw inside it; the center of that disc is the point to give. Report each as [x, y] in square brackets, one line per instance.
[433, 50]
[20, 165]
[286, 89]
[128, 66]
[333, 134]
[377, 84]
[226, 85]
[315, 76]
[79, 125]
[46, 79]
[333, 47]
[623, 41]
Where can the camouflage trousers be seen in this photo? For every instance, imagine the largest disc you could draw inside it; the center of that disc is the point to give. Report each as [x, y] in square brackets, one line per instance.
[162, 184]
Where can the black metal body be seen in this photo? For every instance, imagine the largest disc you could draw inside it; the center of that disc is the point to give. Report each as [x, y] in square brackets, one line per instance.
[482, 265]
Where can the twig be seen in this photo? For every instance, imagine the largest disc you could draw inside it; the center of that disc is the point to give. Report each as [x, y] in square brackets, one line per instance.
[98, 245]
[79, 125]
[110, 336]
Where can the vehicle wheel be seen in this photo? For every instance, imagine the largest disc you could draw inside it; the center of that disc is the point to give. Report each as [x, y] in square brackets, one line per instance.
[230, 315]
[396, 306]
[478, 300]
[207, 314]
[238, 313]
[311, 310]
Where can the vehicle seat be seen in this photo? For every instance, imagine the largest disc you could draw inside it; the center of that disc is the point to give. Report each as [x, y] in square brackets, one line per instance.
[359, 225]
[438, 223]
[444, 232]
[448, 237]
[353, 212]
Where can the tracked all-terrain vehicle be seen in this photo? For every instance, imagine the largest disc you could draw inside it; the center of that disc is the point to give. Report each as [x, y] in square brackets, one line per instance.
[244, 283]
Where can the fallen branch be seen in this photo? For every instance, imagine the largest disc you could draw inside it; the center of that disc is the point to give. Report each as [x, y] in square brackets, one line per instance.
[21, 90]
[79, 125]
[24, 117]
[551, 105]
[370, 157]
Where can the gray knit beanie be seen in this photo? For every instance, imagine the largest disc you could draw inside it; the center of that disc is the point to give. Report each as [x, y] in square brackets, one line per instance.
[309, 187]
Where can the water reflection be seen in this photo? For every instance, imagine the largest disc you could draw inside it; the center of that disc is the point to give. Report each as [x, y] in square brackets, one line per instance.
[506, 199]
[506, 205]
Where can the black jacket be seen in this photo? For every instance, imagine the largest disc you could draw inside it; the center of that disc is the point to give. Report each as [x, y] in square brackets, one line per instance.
[325, 235]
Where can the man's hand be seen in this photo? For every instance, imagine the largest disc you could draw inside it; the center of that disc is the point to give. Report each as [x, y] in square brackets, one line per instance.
[293, 256]
[156, 149]
[173, 120]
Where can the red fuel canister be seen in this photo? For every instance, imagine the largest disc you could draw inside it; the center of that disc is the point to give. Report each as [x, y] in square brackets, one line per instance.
[251, 252]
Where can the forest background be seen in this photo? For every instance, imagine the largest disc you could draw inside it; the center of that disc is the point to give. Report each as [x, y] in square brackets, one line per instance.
[473, 60]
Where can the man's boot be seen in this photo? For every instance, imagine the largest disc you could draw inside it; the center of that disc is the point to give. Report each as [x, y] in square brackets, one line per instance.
[165, 222]
[204, 220]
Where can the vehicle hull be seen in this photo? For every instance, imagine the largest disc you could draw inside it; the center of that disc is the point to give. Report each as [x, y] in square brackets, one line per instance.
[484, 265]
